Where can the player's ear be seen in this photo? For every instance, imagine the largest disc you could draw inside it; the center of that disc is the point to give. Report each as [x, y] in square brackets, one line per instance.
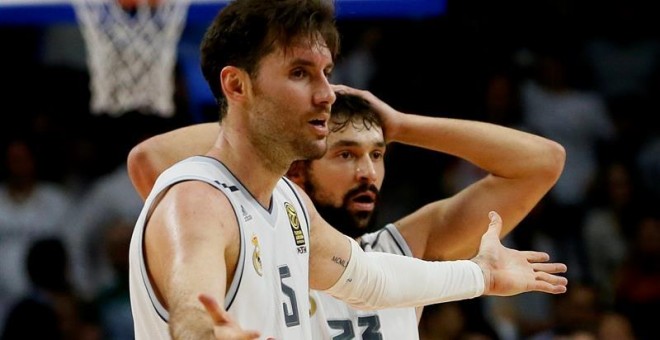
[233, 82]
[296, 173]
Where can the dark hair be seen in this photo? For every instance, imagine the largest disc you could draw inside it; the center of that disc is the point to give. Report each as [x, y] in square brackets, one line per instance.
[247, 30]
[352, 109]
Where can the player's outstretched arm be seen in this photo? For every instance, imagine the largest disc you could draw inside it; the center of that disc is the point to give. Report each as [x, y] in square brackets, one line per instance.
[380, 280]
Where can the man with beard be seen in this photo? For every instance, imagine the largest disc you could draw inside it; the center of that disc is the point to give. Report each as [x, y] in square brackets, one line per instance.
[344, 186]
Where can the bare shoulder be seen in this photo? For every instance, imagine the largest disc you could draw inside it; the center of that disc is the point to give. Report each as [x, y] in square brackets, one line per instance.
[195, 206]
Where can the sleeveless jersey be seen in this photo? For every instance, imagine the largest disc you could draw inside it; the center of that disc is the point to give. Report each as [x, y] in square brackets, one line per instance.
[269, 292]
[332, 319]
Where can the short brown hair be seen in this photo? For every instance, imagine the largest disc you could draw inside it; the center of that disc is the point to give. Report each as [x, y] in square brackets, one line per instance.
[247, 30]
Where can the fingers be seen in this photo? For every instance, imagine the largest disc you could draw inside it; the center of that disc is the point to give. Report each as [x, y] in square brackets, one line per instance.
[536, 256]
[549, 283]
[552, 268]
[546, 281]
[221, 318]
[341, 88]
[537, 260]
[546, 287]
[494, 217]
[495, 226]
[552, 279]
[218, 315]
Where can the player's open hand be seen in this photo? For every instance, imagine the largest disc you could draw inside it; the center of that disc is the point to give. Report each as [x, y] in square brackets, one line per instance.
[509, 272]
[223, 326]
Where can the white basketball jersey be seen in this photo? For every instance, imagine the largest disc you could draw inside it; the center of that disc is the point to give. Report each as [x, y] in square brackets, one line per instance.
[269, 292]
[333, 319]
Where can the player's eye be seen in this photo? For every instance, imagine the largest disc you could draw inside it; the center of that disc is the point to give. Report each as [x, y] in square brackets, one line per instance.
[345, 155]
[298, 73]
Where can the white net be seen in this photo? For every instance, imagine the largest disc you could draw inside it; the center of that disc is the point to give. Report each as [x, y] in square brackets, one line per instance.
[131, 53]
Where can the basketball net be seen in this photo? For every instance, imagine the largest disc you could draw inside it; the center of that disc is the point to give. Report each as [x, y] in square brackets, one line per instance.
[131, 53]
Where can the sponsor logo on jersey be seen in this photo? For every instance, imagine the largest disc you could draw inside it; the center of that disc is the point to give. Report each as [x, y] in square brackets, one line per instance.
[246, 216]
[298, 234]
[256, 256]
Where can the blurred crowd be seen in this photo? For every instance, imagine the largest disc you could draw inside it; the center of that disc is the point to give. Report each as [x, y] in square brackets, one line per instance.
[585, 73]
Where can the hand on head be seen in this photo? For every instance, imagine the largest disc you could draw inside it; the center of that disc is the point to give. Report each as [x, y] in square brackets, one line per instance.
[509, 272]
[386, 113]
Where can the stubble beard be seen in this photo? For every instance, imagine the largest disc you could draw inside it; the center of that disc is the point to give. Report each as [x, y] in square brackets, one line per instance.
[279, 144]
[279, 150]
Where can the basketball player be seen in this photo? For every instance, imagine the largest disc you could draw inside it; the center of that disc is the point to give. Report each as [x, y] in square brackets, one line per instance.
[226, 247]
[344, 187]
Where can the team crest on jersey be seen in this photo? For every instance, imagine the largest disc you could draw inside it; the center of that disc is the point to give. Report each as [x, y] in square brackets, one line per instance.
[298, 234]
[256, 256]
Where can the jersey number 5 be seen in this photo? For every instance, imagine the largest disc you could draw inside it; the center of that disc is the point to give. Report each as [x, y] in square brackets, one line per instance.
[291, 317]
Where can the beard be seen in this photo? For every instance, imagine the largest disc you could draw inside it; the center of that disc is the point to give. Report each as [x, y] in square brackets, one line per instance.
[350, 224]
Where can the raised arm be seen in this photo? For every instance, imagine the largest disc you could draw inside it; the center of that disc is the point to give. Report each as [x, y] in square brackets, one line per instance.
[152, 156]
[521, 168]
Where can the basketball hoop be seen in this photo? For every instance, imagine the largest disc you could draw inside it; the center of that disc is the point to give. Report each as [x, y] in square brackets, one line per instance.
[131, 53]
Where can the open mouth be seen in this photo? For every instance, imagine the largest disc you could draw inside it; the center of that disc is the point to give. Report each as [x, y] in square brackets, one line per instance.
[364, 201]
[320, 127]
[366, 197]
[318, 122]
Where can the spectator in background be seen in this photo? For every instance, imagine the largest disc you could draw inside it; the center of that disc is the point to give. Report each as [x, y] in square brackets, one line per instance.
[106, 198]
[501, 106]
[648, 164]
[608, 225]
[623, 56]
[452, 320]
[614, 326]
[51, 310]
[29, 209]
[578, 312]
[554, 107]
[638, 284]
[112, 304]
[359, 66]
[111, 199]
[502, 98]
